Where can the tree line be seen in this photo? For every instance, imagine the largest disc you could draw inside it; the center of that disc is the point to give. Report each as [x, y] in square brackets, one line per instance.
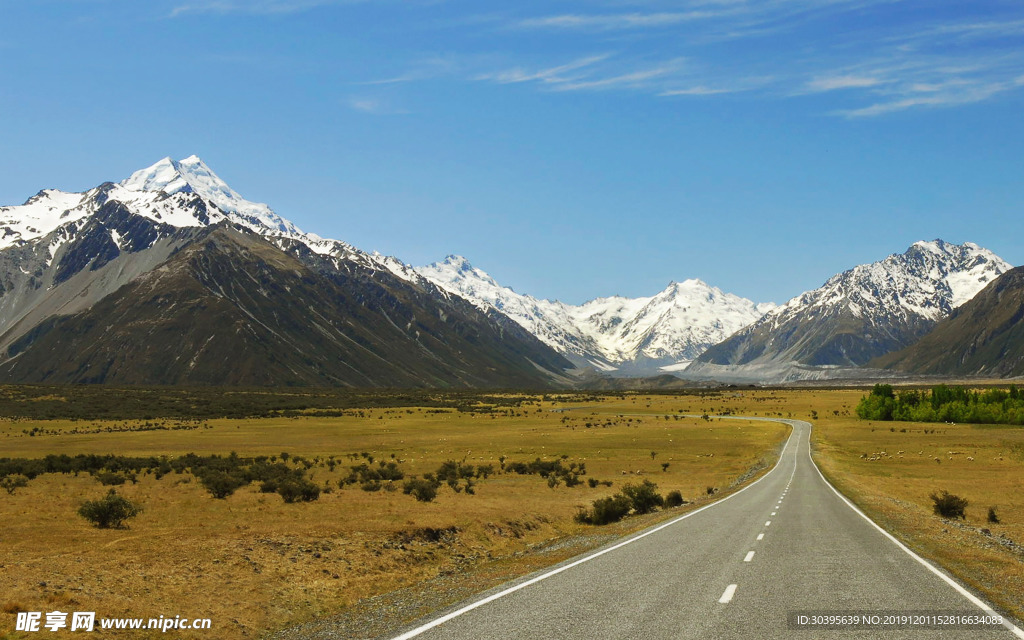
[944, 404]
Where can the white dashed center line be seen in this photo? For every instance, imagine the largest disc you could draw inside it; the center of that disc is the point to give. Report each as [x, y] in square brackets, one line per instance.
[730, 591]
[750, 556]
[768, 524]
[760, 536]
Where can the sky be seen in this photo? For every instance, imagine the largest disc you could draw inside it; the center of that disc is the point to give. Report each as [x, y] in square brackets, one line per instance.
[571, 149]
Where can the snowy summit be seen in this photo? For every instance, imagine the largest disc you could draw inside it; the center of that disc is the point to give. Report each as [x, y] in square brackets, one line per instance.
[665, 331]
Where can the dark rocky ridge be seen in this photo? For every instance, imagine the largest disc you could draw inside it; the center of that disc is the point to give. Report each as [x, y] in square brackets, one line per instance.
[984, 337]
[229, 308]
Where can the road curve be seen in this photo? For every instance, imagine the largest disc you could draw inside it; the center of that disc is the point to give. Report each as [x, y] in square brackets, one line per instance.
[738, 568]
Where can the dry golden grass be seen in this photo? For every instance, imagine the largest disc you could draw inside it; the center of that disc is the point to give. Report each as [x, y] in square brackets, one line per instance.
[986, 467]
[976, 463]
[252, 563]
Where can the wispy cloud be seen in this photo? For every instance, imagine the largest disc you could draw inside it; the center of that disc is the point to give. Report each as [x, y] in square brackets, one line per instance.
[832, 83]
[697, 91]
[952, 94]
[632, 80]
[252, 6]
[614, 21]
[374, 106]
[550, 75]
[593, 73]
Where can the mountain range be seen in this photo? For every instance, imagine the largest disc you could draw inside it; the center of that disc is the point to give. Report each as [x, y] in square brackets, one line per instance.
[627, 335]
[171, 277]
[857, 315]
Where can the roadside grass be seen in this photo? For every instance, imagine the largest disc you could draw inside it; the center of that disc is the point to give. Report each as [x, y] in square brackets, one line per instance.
[252, 563]
[894, 489]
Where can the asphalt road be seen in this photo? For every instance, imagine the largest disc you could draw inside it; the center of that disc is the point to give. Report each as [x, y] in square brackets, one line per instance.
[739, 568]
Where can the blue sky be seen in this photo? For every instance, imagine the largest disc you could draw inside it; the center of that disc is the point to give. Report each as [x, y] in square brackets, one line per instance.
[572, 149]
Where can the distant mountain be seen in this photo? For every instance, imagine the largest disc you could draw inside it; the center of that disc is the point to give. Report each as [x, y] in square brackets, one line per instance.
[665, 331]
[983, 337]
[171, 277]
[857, 315]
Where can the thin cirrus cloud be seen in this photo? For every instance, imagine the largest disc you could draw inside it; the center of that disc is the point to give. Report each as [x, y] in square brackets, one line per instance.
[952, 94]
[558, 74]
[613, 21]
[253, 6]
[834, 83]
[374, 107]
[885, 65]
[861, 58]
[595, 73]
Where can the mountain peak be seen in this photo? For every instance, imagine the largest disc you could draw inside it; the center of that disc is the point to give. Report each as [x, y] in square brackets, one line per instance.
[192, 175]
[457, 261]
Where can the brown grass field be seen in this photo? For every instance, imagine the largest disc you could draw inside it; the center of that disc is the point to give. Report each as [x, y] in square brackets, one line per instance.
[252, 563]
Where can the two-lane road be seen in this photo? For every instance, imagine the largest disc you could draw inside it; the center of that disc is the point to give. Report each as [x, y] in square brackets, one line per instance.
[733, 569]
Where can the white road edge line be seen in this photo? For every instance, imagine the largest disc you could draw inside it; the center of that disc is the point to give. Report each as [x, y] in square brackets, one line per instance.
[730, 591]
[981, 604]
[544, 576]
[750, 556]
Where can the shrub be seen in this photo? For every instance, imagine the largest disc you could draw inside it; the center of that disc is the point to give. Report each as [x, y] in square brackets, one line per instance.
[298, 490]
[221, 484]
[13, 482]
[605, 510]
[643, 497]
[420, 488]
[674, 499]
[993, 517]
[592, 482]
[110, 511]
[948, 505]
[108, 478]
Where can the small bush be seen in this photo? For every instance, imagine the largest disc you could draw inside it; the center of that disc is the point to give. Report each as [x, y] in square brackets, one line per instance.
[605, 510]
[298, 490]
[13, 482]
[643, 497]
[420, 488]
[993, 517]
[110, 511]
[108, 479]
[592, 482]
[674, 499]
[221, 484]
[948, 505]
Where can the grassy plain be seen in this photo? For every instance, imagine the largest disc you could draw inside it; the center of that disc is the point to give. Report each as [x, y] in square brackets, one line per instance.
[252, 563]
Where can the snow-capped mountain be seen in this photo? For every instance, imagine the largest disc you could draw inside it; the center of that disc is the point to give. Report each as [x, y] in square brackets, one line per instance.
[861, 313]
[982, 337]
[177, 193]
[170, 276]
[664, 331]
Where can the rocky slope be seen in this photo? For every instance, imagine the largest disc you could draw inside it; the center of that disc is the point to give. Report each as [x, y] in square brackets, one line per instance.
[170, 277]
[982, 337]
